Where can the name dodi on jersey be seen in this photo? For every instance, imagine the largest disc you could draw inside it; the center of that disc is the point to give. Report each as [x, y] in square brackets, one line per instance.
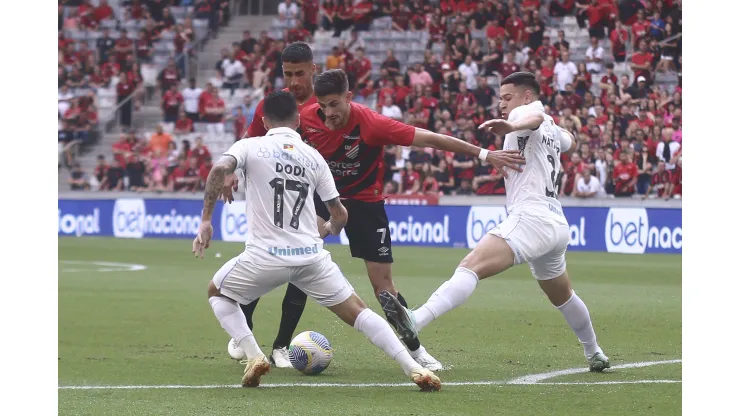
[290, 169]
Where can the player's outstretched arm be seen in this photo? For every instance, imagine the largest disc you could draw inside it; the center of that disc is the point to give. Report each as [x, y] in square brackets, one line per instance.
[503, 127]
[500, 159]
[338, 218]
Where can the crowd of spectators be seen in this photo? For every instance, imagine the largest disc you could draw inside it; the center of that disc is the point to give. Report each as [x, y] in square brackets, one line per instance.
[629, 127]
[628, 123]
[113, 49]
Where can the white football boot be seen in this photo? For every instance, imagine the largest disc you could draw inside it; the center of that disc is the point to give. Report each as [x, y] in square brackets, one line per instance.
[425, 359]
[280, 358]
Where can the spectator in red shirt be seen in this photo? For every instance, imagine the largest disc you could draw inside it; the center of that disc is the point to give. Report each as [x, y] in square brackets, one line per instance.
[113, 180]
[199, 152]
[184, 177]
[297, 34]
[240, 124]
[660, 183]
[362, 13]
[124, 46]
[494, 31]
[184, 124]
[203, 171]
[171, 104]
[514, 27]
[508, 67]
[344, 17]
[410, 180]
[676, 180]
[169, 76]
[619, 38]
[625, 175]
[642, 62]
[310, 9]
[363, 69]
[640, 28]
[571, 174]
[429, 184]
[124, 90]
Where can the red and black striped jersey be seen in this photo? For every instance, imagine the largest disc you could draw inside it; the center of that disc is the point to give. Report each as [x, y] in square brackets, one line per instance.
[355, 152]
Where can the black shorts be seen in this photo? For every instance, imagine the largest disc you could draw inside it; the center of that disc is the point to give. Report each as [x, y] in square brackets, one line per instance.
[367, 229]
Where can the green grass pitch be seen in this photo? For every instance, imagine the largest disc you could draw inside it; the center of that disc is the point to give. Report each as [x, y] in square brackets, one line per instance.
[154, 327]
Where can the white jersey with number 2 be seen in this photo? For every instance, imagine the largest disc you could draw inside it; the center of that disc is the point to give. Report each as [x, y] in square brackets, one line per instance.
[282, 173]
[533, 191]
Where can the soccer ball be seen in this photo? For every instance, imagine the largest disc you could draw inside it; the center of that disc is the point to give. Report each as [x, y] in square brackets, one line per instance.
[310, 352]
[235, 351]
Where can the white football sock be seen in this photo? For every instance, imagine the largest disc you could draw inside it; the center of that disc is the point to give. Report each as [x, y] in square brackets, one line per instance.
[380, 333]
[576, 313]
[232, 319]
[449, 296]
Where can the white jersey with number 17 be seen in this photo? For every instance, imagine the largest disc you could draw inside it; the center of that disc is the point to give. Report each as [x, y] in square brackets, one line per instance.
[281, 175]
[534, 190]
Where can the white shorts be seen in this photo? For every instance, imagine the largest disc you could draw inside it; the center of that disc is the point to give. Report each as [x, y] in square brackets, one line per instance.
[539, 241]
[244, 281]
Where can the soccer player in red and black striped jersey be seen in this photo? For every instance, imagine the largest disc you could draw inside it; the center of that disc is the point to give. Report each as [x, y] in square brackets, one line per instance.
[351, 138]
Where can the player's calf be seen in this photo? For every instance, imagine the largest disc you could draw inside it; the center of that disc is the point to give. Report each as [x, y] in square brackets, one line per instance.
[354, 312]
[575, 312]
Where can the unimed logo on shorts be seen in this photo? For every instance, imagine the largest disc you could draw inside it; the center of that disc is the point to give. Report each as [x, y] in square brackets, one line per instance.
[234, 221]
[482, 219]
[626, 230]
[128, 218]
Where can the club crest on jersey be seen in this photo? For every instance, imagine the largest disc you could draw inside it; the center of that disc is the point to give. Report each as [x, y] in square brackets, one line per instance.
[352, 152]
[521, 142]
[288, 147]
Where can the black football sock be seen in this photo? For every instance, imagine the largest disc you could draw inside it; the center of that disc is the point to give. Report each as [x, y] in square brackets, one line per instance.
[293, 304]
[248, 312]
[413, 344]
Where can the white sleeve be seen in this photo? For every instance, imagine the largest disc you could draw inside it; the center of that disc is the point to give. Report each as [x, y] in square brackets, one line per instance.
[240, 151]
[565, 141]
[326, 188]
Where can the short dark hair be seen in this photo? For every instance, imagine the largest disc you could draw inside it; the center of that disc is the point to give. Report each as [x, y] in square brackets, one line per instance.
[333, 81]
[526, 79]
[280, 107]
[297, 53]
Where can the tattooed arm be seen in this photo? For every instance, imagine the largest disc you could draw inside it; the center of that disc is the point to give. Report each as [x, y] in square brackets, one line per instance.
[215, 182]
[338, 218]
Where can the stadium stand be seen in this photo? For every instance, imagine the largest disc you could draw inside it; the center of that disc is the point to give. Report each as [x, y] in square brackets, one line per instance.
[610, 72]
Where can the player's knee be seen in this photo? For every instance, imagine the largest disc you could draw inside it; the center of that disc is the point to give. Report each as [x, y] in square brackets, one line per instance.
[212, 290]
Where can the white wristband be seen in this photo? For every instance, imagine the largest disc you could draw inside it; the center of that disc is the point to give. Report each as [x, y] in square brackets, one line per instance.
[483, 154]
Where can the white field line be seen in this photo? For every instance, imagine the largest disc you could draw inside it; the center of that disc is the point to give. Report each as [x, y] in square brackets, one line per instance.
[103, 266]
[536, 378]
[526, 380]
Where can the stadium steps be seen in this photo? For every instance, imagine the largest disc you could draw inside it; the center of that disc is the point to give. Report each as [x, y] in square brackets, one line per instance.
[150, 114]
[208, 57]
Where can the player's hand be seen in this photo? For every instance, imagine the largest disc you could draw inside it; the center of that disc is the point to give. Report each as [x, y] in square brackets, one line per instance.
[325, 229]
[497, 126]
[203, 240]
[231, 185]
[501, 159]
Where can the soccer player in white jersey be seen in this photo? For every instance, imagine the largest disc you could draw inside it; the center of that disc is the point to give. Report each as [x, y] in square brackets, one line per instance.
[535, 232]
[284, 243]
